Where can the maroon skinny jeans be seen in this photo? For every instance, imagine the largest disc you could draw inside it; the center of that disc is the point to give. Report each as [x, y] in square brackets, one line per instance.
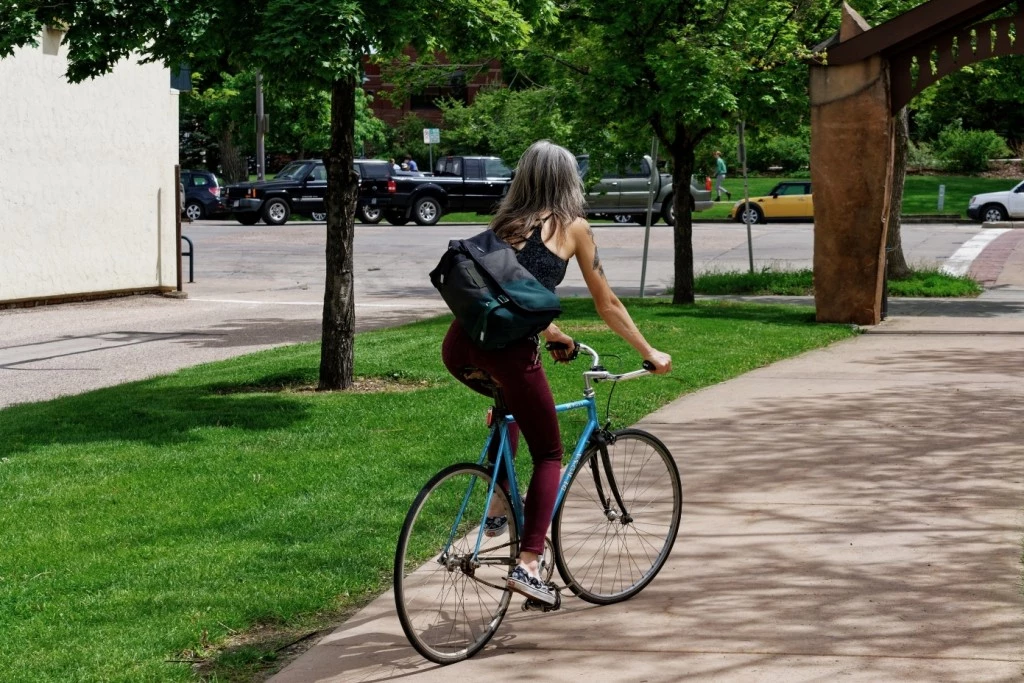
[524, 386]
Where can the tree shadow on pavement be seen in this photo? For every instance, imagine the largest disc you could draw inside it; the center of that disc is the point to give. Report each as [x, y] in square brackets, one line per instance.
[882, 524]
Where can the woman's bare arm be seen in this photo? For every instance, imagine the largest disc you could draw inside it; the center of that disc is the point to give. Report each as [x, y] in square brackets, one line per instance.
[608, 306]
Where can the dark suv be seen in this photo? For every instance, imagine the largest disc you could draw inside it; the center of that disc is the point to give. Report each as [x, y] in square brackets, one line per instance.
[301, 188]
[202, 196]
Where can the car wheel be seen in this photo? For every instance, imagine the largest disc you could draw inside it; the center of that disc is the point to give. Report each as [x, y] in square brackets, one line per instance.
[247, 218]
[318, 215]
[750, 213]
[276, 212]
[668, 210]
[622, 218]
[426, 211]
[194, 210]
[993, 213]
[396, 217]
[370, 214]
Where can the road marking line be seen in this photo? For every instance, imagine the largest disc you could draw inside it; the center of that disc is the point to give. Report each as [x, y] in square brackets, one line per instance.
[306, 303]
[960, 262]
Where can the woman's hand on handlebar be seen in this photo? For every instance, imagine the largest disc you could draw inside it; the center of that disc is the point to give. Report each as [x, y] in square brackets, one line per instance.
[658, 363]
[561, 346]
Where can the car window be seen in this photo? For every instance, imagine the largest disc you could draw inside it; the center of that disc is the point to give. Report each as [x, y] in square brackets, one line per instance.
[496, 168]
[792, 189]
[292, 171]
[584, 164]
[319, 172]
[638, 170]
[474, 168]
[200, 181]
[374, 170]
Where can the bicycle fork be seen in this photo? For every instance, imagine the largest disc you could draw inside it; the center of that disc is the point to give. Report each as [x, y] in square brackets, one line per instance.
[621, 514]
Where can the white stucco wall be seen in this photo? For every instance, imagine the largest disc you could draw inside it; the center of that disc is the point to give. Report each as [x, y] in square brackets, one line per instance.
[87, 191]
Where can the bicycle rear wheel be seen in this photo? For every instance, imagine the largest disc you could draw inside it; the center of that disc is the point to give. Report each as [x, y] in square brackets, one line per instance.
[619, 518]
[449, 603]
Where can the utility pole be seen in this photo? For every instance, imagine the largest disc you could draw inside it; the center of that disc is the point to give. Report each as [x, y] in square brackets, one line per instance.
[261, 130]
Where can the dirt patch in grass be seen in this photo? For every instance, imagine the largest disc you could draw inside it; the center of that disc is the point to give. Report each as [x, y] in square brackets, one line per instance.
[360, 385]
[256, 655]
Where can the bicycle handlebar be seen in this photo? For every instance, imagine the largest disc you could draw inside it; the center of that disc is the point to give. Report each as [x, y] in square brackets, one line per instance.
[599, 374]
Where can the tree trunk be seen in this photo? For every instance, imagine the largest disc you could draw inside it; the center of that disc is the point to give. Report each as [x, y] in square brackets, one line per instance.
[896, 262]
[336, 350]
[682, 169]
[232, 164]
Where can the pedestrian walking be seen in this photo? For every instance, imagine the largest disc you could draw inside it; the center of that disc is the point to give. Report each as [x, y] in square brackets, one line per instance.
[720, 171]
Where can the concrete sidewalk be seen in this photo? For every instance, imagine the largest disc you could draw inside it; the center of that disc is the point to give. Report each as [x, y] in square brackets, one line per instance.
[854, 513]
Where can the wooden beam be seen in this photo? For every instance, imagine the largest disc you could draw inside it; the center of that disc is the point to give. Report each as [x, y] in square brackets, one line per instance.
[907, 30]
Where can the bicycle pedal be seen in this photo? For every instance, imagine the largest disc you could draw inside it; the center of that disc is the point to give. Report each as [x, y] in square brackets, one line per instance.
[531, 605]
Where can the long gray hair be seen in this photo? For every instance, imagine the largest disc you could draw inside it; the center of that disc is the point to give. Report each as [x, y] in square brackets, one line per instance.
[546, 181]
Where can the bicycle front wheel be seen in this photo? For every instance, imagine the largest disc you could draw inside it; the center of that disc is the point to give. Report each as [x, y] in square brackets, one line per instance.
[451, 599]
[619, 518]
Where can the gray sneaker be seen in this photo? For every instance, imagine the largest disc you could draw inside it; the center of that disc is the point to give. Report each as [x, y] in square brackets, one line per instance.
[523, 583]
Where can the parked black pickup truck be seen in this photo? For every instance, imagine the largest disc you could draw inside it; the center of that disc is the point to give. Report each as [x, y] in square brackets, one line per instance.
[301, 187]
[459, 183]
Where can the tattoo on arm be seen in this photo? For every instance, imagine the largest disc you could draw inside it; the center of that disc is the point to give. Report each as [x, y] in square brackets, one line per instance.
[597, 265]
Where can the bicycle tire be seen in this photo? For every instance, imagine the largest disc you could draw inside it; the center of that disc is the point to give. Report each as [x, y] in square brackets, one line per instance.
[606, 555]
[433, 586]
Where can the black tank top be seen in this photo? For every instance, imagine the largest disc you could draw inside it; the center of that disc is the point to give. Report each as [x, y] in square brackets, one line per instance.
[543, 264]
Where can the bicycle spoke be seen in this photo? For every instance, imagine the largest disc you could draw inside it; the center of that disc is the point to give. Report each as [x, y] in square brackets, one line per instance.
[610, 556]
[450, 606]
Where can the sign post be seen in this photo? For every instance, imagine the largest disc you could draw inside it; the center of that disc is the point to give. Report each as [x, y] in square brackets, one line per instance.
[431, 137]
[742, 151]
[651, 188]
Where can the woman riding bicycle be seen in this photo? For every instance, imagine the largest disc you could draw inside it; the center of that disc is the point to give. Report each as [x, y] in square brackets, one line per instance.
[543, 218]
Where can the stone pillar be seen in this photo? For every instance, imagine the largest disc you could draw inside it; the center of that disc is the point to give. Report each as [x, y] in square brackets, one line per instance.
[852, 145]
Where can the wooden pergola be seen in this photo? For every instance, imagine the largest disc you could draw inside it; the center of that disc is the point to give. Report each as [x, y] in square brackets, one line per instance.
[868, 75]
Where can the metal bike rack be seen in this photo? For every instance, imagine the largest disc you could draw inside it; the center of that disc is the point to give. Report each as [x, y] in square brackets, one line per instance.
[188, 253]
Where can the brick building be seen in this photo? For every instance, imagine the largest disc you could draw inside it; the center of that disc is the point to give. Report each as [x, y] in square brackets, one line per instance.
[423, 103]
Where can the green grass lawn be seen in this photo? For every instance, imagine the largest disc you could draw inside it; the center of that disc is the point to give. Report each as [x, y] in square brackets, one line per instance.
[146, 523]
[921, 193]
[920, 283]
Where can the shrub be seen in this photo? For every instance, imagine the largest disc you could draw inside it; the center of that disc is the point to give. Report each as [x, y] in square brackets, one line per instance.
[921, 155]
[968, 151]
[786, 152]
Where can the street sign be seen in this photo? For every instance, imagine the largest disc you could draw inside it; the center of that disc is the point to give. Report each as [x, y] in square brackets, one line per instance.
[431, 136]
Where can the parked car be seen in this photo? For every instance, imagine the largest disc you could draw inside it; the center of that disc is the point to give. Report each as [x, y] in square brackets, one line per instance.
[993, 207]
[301, 188]
[623, 196]
[202, 197]
[787, 200]
[459, 183]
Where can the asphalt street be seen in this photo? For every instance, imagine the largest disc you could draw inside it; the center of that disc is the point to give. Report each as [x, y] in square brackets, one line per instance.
[259, 287]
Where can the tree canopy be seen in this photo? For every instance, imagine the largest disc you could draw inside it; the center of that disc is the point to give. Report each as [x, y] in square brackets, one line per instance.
[303, 45]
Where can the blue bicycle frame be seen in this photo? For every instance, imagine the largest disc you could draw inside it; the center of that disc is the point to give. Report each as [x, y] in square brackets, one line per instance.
[504, 458]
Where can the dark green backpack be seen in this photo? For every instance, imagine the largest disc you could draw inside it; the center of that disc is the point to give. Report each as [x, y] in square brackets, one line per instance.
[496, 300]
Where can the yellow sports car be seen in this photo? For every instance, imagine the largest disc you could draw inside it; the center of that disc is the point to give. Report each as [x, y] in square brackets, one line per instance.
[791, 199]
